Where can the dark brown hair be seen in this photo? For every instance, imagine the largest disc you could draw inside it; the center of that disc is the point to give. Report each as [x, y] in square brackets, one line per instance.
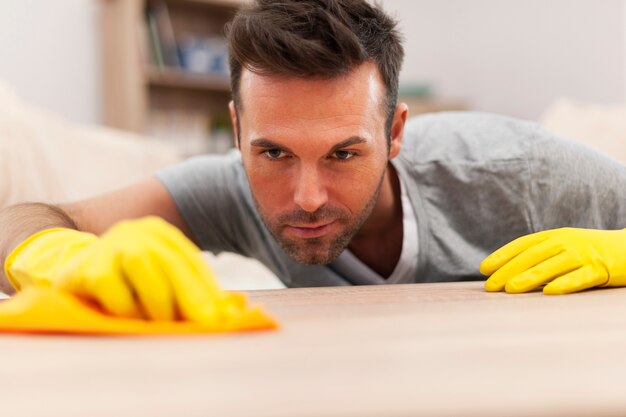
[314, 38]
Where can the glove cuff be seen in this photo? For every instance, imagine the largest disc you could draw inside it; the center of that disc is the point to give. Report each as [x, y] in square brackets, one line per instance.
[39, 257]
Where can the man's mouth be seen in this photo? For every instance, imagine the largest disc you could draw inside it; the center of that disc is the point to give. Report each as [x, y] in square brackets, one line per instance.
[310, 231]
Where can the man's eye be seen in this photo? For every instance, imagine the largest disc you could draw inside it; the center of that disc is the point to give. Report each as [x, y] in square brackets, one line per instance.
[273, 153]
[343, 155]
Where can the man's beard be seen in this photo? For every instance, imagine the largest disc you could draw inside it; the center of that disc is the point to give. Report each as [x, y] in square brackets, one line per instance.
[325, 249]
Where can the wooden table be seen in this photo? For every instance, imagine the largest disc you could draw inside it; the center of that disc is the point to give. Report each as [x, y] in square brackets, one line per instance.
[401, 350]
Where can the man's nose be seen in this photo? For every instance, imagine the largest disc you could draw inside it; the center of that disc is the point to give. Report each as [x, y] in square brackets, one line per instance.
[310, 191]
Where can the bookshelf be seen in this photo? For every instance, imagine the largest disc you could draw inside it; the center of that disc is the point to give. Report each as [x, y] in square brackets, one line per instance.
[165, 71]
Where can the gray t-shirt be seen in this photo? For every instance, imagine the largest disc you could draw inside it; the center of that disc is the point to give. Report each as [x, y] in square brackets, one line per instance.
[476, 181]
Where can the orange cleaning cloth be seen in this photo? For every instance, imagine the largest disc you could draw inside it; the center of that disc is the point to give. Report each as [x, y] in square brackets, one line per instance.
[39, 309]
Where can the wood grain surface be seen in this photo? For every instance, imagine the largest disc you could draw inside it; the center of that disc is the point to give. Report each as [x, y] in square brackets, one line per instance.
[399, 350]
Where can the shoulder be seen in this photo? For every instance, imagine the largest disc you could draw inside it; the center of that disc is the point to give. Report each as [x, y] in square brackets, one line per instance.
[467, 136]
[212, 195]
[205, 172]
[208, 163]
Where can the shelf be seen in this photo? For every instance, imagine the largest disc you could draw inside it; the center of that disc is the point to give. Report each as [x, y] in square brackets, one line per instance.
[147, 95]
[173, 78]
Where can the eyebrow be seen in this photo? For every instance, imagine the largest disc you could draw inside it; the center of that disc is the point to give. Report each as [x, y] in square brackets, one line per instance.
[354, 140]
[266, 143]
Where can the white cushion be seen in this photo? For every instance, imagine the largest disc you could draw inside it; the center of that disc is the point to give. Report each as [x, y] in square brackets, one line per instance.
[45, 158]
[599, 125]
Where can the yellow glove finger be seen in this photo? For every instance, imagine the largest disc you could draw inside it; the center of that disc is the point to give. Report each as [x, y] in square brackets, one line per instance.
[578, 280]
[177, 260]
[138, 282]
[542, 273]
[150, 285]
[95, 276]
[191, 253]
[524, 261]
[500, 257]
[193, 285]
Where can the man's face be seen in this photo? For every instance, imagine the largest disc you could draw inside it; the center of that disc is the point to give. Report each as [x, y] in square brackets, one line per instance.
[315, 154]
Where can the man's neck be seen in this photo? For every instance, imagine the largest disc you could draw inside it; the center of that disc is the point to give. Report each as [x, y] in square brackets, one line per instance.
[379, 242]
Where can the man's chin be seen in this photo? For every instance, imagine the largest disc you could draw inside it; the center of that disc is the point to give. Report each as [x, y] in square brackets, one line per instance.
[312, 259]
[309, 255]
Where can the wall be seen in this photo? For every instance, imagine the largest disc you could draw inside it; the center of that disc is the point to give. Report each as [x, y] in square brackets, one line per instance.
[50, 53]
[515, 56]
[507, 56]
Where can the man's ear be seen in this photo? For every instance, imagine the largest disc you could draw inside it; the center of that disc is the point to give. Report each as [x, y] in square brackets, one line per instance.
[397, 129]
[233, 121]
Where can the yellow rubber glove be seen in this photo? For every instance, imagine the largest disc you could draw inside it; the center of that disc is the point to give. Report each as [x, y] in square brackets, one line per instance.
[140, 268]
[567, 260]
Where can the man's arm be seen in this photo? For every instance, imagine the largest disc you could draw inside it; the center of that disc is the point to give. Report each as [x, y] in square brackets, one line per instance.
[95, 215]
[577, 205]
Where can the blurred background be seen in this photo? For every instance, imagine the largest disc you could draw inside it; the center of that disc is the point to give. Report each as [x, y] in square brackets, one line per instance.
[96, 94]
[506, 56]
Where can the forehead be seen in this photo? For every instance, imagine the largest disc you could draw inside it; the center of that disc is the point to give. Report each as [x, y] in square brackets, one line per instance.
[272, 102]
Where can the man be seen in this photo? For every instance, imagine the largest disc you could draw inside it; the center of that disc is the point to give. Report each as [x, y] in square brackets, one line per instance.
[324, 191]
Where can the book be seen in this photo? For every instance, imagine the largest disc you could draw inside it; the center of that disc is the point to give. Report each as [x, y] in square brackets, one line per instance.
[155, 42]
[165, 31]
